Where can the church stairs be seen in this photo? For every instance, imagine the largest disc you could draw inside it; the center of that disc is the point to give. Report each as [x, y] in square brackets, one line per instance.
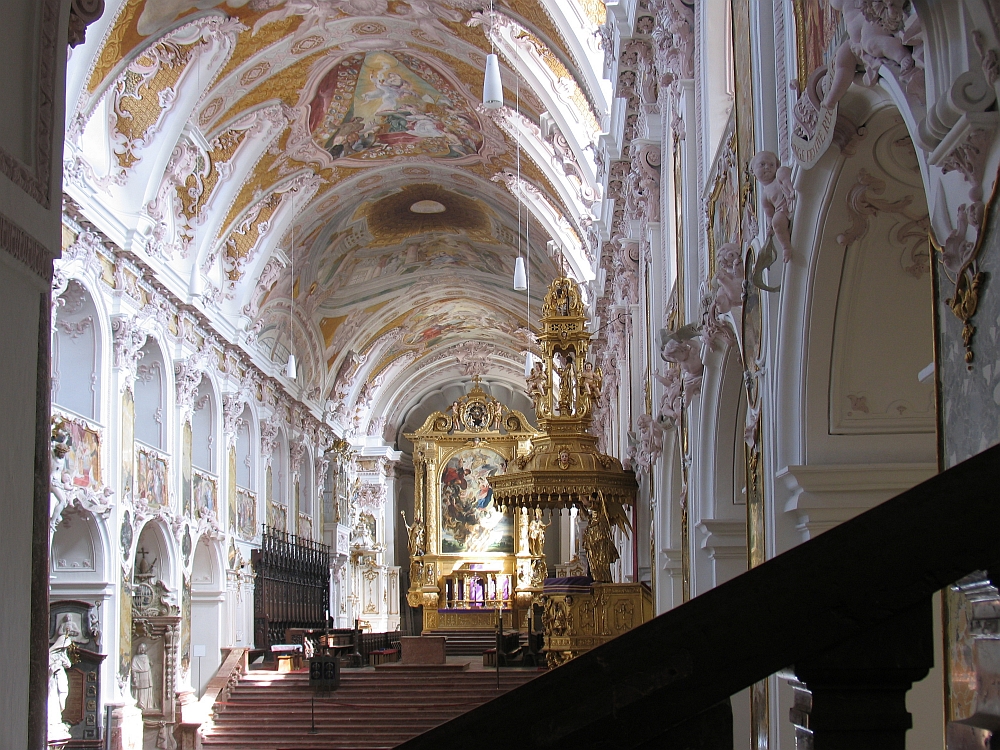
[372, 709]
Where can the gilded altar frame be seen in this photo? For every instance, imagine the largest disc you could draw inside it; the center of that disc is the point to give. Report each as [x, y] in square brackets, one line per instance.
[475, 421]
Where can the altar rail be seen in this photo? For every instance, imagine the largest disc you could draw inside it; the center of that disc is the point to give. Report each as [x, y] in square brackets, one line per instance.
[292, 585]
[850, 611]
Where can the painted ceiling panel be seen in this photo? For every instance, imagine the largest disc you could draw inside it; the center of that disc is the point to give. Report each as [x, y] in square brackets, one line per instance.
[376, 175]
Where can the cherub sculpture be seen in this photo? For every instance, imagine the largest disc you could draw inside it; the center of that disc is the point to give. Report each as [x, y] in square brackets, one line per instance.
[536, 385]
[728, 280]
[677, 347]
[872, 31]
[591, 380]
[779, 198]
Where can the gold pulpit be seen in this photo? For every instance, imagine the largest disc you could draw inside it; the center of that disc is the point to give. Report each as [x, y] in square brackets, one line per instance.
[580, 617]
[468, 557]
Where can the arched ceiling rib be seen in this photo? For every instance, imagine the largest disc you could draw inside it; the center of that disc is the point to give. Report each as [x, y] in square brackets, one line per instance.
[227, 142]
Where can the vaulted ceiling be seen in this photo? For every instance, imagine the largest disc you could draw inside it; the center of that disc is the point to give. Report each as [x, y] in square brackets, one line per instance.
[319, 175]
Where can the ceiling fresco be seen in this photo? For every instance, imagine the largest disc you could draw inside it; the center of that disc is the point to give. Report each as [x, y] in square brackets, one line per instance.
[322, 175]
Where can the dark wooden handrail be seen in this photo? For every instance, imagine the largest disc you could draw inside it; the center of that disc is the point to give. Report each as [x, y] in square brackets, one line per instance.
[798, 605]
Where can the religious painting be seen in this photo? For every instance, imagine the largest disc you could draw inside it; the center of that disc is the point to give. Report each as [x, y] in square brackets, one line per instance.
[432, 325]
[231, 494]
[277, 516]
[205, 490]
[470, 522]
[305, 526]
[816, 37]
[186, 625]
[128, 446]
[186, 480]
[723, 204]
[124, 626]
[246, 514]
[151, 478]
[83, 460]
[377, 105]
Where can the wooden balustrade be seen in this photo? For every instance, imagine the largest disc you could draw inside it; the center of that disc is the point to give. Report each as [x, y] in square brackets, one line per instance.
[849, 611]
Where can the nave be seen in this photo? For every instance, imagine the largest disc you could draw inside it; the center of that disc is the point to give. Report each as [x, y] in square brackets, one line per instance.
[411, 319]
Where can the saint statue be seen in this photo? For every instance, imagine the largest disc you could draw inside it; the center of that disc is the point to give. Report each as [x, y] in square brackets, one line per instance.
[414, 535]
[597, 538]
[142, 679]
[536, 535]
[59, 662]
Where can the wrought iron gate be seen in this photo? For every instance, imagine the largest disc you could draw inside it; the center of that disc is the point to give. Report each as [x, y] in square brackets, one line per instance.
[292, 585]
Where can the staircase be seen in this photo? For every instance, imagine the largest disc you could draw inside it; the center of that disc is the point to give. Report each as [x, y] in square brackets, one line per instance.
[467, 642]
[372, 709]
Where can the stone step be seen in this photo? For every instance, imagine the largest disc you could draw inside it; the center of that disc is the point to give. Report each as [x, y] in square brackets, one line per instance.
[270, 711]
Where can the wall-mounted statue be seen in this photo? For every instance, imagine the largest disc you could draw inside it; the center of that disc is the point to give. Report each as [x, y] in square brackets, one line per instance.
[873, 30]
[679, 347]
[59, 662]
[779, 198]
[142, 679]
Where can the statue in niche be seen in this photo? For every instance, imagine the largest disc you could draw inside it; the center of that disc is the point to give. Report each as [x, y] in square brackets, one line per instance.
[562, 300]
[59, 661]
[142, 679]
[779, 198]
[536, 534]
[567, 384]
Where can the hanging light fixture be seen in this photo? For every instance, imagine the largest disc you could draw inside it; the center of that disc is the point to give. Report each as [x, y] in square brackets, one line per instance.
[492, 84]
[520, 277]
[529, 361]
[290, 368]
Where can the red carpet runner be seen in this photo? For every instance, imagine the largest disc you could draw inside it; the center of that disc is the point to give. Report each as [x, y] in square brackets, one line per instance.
[372, 709]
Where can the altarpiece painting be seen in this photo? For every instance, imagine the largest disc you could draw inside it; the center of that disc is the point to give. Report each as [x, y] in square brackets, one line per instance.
[468, 559]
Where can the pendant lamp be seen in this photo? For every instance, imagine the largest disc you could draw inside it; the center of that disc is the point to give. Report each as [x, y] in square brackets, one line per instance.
[520, 277]
[290, 369]
[492, 85]
[528, 362]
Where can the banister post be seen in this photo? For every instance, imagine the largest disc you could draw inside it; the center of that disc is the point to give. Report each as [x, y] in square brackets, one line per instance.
[853, 697]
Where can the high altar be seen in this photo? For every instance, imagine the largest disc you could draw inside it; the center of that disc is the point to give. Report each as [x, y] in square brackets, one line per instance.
[468, 558]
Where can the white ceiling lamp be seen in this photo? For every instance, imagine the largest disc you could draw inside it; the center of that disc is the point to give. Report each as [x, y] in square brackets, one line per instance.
[492, 84]
[290, 369]
[520, 277]
[529, 361]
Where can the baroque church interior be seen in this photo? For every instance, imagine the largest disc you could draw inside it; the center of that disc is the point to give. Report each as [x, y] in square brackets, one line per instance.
[596, 333]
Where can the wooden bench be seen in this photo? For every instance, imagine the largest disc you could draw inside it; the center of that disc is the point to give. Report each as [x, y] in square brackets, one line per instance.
[384, 656]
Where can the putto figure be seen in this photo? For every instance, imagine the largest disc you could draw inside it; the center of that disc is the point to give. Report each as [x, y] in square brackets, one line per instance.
[779, 198]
